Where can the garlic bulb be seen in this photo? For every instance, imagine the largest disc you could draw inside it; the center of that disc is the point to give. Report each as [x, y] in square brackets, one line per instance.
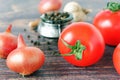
[79, 16]
[79, 13]
[72, 7]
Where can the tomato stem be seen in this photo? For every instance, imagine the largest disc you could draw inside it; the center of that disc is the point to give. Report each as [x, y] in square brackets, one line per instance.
[113, 6]
[76, 50]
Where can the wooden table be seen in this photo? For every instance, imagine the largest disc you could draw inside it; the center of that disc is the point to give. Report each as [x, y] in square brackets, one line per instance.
[20, 12]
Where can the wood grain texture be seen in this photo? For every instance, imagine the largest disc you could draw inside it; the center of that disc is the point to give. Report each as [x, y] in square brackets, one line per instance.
[19, 13]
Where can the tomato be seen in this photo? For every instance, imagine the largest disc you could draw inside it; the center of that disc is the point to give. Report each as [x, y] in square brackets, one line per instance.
[81, 44]
[108, 22]
[116, 58]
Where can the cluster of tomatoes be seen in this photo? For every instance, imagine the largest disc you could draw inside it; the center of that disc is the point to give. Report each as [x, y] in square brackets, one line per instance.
[83, 44]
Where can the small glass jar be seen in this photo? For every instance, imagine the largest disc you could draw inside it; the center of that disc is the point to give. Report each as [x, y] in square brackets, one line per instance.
[52, 28]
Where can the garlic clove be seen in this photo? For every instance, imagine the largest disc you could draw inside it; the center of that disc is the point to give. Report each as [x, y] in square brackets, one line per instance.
[34, 24]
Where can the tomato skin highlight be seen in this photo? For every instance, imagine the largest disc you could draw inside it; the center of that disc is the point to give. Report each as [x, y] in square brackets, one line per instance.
[108, 24]
[116, 59]
[89, 36]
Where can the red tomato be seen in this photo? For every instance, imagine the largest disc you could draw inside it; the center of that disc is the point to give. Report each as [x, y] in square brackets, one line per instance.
[81, 44]
[108, 22]
[116, 58]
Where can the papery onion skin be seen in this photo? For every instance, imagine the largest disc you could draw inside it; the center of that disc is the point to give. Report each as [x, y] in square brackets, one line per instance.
[8, 42]
[25, 60]
[49, 5]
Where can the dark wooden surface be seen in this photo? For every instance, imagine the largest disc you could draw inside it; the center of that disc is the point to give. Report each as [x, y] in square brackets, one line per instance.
[20, 12]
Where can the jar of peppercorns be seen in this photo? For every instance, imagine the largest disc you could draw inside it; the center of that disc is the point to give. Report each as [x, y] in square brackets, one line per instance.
[53, 23]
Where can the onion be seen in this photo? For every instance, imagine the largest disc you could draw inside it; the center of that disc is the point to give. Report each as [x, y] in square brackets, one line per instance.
[8, 42]
[25, 60]
[49, 5]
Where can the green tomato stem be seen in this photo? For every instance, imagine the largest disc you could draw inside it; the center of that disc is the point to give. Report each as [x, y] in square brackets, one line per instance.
[76, 49]
[113, 6]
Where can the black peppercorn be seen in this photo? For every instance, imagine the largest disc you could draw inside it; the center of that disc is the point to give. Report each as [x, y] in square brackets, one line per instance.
[28, 36]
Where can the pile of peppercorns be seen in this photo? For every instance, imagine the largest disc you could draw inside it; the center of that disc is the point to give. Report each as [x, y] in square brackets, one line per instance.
[55, 17]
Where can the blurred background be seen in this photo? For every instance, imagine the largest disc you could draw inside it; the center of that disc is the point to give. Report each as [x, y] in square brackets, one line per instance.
[20, 12]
